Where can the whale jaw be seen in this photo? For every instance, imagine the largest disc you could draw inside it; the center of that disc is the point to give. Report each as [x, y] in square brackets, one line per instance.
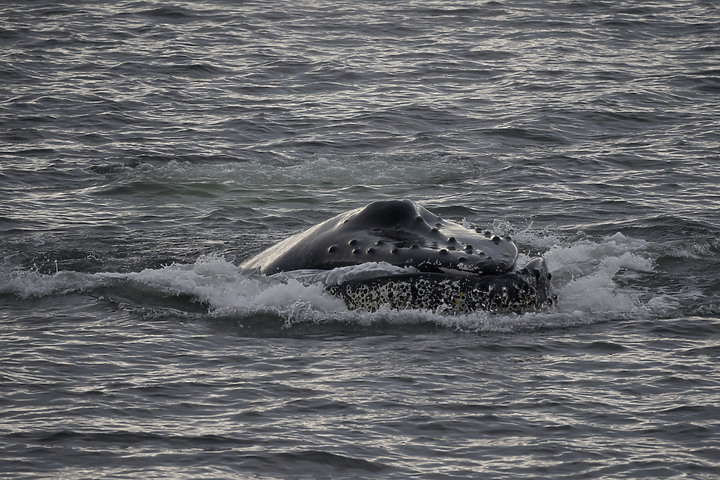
[521, 291]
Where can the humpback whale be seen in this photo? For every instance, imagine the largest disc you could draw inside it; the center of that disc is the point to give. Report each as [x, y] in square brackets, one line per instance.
[434, 263]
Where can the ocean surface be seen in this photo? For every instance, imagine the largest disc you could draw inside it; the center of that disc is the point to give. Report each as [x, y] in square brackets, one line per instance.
[147, 148]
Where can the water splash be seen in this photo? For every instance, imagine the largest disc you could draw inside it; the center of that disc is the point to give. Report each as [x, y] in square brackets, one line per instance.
[596, 281]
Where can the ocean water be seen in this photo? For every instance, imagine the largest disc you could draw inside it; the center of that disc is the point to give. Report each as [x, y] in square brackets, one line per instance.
[147, 148]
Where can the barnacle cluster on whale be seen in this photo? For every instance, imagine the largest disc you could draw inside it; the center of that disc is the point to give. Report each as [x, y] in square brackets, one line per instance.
[454, 268]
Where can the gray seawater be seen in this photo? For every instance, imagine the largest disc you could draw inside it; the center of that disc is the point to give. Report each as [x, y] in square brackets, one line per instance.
[147, 148]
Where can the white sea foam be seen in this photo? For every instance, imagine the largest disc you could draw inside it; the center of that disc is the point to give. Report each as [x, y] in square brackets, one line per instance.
[224, 286]
[31, 283]
[586, 271]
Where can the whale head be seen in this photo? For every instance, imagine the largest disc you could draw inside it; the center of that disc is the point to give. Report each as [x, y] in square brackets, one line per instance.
[466, 264]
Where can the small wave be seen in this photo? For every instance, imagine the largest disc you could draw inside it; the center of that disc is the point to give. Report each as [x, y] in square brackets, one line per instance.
[192, 69]
[320, 171]
[322, 461]
[697, 250]
[172, 13]
[517, 135]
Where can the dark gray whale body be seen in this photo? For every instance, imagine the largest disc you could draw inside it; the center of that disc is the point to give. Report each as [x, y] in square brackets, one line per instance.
[456, 269]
